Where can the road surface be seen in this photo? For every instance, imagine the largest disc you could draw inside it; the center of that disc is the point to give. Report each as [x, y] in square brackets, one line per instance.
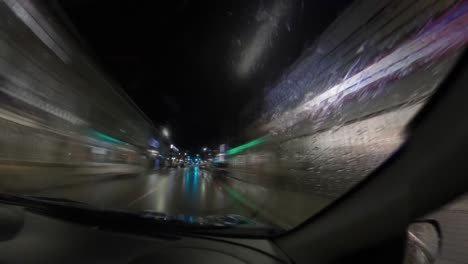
[192, 191]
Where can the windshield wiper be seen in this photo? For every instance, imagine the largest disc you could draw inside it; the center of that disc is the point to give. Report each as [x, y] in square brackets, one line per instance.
[84, 214]
[31, 200]
[145, 222]
[55, 199]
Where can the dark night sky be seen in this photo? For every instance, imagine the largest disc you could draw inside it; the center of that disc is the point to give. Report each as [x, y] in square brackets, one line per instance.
[195, 65]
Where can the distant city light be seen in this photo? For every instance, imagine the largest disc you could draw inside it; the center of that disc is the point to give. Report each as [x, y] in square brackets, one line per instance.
[204, 149]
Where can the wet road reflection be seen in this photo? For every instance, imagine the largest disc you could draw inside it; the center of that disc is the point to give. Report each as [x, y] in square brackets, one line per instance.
[193, 191]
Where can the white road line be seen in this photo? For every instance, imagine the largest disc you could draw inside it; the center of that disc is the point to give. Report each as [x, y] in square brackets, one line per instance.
[144, 195]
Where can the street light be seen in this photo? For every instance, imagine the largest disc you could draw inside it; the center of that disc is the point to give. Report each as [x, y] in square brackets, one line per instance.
[204, 149]
[165, 132]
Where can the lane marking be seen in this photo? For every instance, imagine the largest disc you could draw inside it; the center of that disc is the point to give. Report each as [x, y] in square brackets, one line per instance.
[144, 195]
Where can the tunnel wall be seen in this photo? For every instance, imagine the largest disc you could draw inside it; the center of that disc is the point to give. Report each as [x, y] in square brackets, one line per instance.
[57, 108]
[342, 108]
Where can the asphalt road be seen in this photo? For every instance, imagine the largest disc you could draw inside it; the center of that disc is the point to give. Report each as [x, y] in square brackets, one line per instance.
[192, 191]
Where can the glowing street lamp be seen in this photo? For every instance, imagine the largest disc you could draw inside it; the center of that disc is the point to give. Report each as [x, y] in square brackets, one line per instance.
[165, 132]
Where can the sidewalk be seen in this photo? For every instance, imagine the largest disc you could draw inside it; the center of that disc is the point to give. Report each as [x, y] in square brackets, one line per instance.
[26, 177]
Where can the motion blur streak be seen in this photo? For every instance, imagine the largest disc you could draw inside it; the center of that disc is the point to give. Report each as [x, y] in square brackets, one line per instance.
[60, 117]
[445, 35]
[248, 145]
[270, 20]
[40, 32]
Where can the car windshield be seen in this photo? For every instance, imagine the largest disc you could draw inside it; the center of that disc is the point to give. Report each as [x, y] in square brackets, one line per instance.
[258, 112]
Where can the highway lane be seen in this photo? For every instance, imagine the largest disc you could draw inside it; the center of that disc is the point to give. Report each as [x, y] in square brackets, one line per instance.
[193, 191]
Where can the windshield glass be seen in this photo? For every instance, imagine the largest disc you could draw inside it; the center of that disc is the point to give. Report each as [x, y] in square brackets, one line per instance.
[264, 111]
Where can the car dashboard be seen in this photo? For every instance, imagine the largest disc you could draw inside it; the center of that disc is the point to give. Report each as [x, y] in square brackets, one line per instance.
[28, 237]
